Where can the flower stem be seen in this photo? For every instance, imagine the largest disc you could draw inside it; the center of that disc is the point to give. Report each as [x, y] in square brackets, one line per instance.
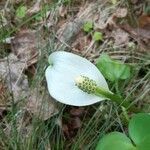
[114, 97]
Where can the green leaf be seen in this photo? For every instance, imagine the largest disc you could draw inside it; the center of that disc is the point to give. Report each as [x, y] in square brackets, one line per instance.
[98, 36]
[113, 70]
[139, 127]
[145, 144]
[21, 11]
[115, 141]
[88, 26]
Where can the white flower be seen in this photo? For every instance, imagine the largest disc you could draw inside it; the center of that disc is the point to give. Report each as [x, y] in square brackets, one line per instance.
[63, 73]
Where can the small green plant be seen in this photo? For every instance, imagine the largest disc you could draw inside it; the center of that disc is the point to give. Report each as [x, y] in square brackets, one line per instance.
[21, 11]
[139, 133]
[85, 83]
[97, 36]
[88, 26]
[113, 70]
[82, 79]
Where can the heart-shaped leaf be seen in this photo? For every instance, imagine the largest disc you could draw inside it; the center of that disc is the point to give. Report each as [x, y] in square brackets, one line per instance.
[113, 70]
[139, 128]
[115, 141]
[145, 144]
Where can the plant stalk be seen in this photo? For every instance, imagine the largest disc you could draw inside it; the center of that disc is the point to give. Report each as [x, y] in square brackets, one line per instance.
[114, 97]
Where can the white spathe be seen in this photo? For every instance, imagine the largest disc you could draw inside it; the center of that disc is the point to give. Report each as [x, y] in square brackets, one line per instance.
[61, 75]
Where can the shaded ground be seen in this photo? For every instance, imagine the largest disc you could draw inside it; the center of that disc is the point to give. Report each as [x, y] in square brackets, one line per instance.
[30, 31]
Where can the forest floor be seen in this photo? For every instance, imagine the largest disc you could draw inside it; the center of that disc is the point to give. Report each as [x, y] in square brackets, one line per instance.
[30, 31]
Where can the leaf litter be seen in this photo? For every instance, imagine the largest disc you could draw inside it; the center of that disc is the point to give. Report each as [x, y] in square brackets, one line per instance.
[12, 70]
[24, 46]
[41, 104]
[69, 35]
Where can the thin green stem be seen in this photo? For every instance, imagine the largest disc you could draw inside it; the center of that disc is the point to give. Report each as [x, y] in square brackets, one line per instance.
[125, 114]
[117, 88]
[114, 97]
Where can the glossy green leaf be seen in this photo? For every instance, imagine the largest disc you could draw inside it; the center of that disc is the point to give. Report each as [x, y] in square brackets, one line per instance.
[139, 127]
[115, 141]
[21, 11]
[88, 26]
[145, 144]
[113, 70]
[98, 36]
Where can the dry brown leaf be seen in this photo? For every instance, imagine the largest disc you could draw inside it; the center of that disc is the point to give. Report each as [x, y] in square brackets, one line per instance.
[75, 123]
[68, 31]
[65, 130]
[103, 23]
[144, 22]
[140, 35]
[24, 46]
[41, 104]
[120, 36]
[77, 111]
[110, 22]
[81, 43]
[62, 11]
[70, 128]
[11, 71]
[137, 33]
